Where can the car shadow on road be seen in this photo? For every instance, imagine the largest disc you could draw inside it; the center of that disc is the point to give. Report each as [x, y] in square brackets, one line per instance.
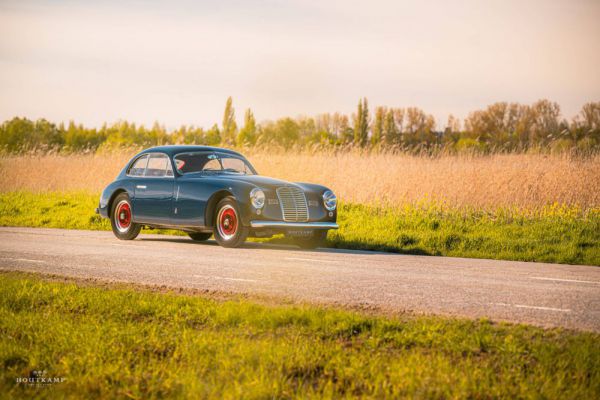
[286, 247]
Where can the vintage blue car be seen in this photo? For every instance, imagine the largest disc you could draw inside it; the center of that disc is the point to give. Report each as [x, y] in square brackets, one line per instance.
[208, 191]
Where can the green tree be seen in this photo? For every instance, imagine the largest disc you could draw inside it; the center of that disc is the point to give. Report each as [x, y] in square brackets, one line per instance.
[247, 135]
[419, 128]
[285, 132]
[391, 135]
[586, 125]
[288, 132]
[452, 133]
[546, 121]
[308, 133]
[213, 136]
[21, 135]
[343, 129]
[378, 125]
[229, 126]
[361, 123]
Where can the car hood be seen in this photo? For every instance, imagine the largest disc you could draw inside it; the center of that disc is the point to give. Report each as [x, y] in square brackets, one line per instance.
[258, 180]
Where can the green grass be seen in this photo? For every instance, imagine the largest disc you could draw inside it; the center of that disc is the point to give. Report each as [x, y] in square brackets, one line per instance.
[124, 342]
[553, 234]
[556, 234]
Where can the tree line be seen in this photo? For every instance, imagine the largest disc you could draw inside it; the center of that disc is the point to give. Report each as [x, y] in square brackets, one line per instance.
[500, 127]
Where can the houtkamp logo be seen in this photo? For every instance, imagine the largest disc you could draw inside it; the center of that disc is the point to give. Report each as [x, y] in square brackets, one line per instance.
[39, 378]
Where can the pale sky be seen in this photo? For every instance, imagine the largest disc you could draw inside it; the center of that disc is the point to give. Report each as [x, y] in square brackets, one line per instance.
[177, 61]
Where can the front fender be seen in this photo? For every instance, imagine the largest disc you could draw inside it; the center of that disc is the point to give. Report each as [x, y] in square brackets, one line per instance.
[240, 191]
[312, 188]
[314, 195]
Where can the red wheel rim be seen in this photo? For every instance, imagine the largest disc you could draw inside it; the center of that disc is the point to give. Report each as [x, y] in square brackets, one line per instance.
[123, 216]
[228, 221]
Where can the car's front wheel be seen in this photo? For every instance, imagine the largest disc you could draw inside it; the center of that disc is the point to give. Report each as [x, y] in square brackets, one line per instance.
[228, 228]
[121, 218]
[317, 239]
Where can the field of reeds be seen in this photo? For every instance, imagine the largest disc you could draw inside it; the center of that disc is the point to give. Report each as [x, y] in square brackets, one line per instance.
[525, 181]
[514, 206]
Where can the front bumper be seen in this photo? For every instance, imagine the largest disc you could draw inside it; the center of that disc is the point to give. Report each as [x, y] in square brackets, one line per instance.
[293, 225]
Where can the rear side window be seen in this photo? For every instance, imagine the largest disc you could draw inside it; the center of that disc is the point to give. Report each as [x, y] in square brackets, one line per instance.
[158, 165]
[138, 167]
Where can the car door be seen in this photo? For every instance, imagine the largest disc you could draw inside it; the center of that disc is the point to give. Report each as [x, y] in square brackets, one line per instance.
[154, 191]
[191, 194]
[135, 175]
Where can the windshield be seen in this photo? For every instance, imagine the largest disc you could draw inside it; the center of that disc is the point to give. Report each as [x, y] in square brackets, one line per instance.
[187, 163]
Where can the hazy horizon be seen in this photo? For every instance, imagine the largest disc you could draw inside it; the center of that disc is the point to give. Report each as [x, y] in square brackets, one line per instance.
[176, 63]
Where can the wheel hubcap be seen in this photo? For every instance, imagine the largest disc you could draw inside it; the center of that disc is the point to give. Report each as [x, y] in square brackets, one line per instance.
[227, 222]
[123, 216]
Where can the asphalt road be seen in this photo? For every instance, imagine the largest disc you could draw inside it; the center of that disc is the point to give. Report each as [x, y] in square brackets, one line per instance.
[535, 293]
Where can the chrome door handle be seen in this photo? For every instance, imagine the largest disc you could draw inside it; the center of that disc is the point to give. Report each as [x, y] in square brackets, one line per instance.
[141, 186]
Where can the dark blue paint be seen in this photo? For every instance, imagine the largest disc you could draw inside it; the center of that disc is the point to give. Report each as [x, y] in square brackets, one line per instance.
[153, 203]
[181, 201]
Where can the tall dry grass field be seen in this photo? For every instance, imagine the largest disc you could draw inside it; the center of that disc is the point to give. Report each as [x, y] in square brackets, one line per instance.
[518, 180]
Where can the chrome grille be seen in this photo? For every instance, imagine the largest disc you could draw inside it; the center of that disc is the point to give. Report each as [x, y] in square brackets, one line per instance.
[293, 204]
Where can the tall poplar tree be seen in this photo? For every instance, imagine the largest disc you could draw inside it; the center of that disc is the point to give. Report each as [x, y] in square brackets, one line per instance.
[391, 134]
[229, 130]
[361, 123]
[247, 135]
[377, 130]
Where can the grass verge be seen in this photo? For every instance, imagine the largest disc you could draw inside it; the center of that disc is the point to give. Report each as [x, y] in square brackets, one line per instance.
[109, 342]
[552, 234]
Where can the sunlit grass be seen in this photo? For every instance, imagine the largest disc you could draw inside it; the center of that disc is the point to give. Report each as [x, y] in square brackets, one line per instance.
[133, 343]
[555, 233]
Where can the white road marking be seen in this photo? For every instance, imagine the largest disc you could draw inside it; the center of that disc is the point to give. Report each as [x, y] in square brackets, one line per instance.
[23, 260]
[541, 278]
[532, 307]
[543, 308]
[225, 278]
[310, 259]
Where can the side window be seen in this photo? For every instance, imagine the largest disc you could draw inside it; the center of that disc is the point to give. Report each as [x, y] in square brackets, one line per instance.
[195, 162]
[212, 165]
[179, 164]
[138, 167]
[157, 165]
[169, 168]
[234, 165]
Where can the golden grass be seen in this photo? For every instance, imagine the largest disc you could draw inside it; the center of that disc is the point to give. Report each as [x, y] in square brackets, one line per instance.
[513, 180]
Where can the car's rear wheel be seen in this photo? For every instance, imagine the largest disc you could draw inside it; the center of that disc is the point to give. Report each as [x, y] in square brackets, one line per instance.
[200, 236]
[228, 228]
[317, 239]
[121, 218]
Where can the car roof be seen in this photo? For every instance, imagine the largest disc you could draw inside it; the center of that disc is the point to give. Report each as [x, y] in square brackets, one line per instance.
[176, 149]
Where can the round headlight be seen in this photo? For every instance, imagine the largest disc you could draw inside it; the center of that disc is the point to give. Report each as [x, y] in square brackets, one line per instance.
[257, 197]
[329, 200]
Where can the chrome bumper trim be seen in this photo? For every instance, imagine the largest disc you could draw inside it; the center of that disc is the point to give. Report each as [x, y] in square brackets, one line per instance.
[282, 224]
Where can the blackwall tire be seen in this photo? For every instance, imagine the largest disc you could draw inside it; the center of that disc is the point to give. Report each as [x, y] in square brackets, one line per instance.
[121, 218]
